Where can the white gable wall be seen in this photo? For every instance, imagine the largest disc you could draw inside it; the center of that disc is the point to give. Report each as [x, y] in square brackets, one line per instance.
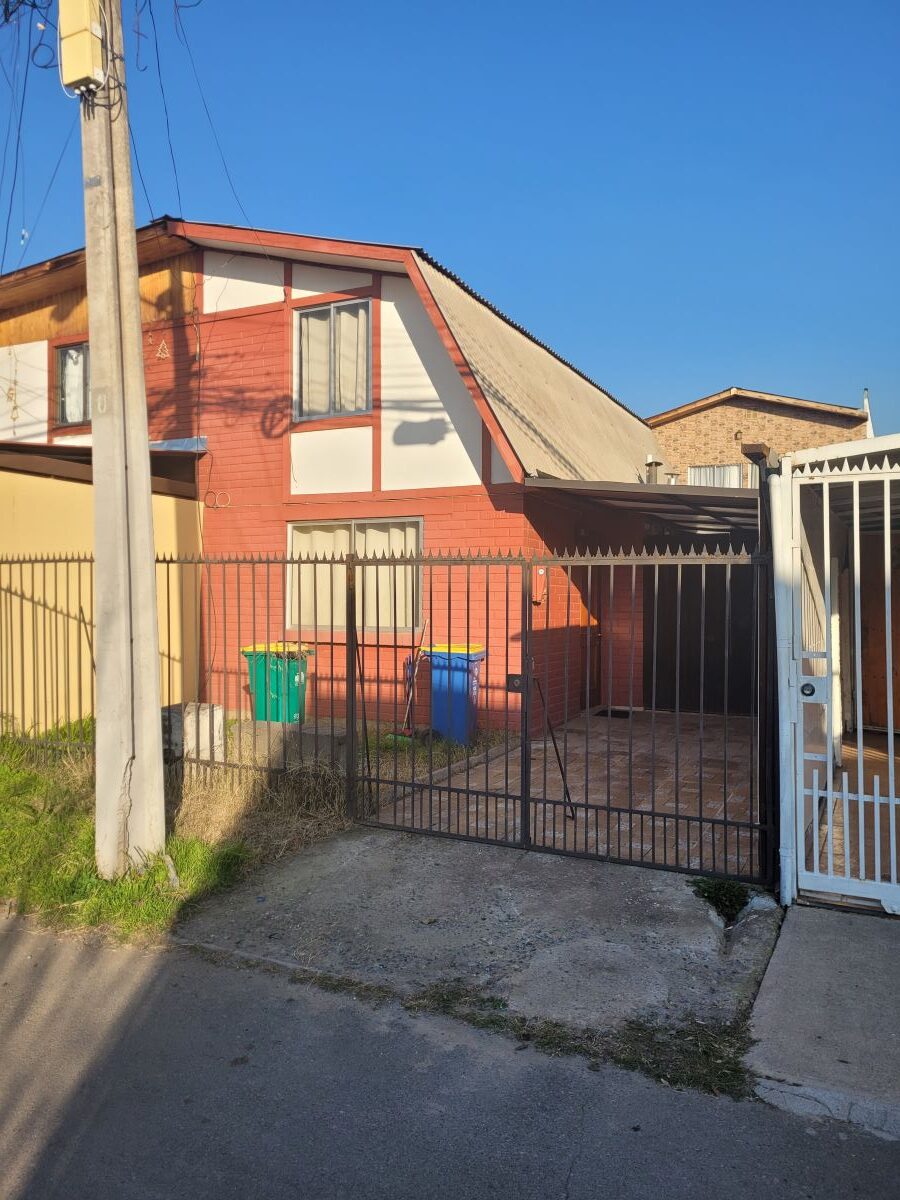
[240, 281]
[430, 427]
[308, 280]
[24, 383]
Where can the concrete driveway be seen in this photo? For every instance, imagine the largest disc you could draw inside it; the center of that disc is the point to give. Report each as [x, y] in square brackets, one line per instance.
[588, 943]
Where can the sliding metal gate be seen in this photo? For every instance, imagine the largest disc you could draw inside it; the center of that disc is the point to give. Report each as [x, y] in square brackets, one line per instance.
[610, 706]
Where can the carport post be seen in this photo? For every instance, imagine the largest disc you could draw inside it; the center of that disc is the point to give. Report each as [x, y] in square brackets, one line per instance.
[527, 669]
[350, 704]
[781, 498]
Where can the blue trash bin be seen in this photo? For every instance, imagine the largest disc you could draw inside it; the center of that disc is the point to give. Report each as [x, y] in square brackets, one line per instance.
[455, 674]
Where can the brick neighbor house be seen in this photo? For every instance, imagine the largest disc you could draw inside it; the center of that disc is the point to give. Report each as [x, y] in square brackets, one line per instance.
[702, 442]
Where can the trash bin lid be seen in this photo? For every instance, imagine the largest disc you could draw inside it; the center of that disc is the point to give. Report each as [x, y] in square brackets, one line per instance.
[286, 648]
[472, 650]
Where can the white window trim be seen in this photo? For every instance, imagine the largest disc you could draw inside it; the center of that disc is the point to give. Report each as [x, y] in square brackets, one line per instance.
[340, 628]
[297, 416]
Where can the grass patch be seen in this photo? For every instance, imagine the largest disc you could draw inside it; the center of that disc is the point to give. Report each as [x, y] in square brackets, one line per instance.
[727, 896]
[708, 1057]
[47, 856]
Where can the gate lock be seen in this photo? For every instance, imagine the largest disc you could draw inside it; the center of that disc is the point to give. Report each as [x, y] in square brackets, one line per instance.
[814, 689]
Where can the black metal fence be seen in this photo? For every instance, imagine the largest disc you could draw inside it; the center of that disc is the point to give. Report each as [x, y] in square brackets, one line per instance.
[609, 706]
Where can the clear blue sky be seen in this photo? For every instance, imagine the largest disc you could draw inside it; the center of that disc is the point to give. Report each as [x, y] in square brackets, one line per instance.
[678, 197]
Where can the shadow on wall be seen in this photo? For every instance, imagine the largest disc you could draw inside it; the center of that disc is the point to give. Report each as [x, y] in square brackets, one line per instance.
[421, 433]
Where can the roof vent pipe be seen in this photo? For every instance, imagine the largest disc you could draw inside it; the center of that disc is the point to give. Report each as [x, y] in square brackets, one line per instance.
[653, 465]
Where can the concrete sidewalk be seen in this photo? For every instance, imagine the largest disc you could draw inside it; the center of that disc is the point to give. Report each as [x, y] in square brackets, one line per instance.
[827, 1019]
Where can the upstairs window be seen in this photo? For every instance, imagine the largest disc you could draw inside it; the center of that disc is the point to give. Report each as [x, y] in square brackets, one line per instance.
[331, 360]
[73, 385]
[729, 475]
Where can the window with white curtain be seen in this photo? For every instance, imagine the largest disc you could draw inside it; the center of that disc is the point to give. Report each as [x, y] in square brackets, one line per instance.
[331, 360]
[73, 384]
[717, 475]
[387, 596]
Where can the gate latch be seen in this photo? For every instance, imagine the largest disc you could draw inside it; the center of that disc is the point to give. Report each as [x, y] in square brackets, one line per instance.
[514, 683]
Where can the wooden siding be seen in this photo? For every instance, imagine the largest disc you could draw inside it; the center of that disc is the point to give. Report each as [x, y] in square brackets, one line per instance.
[167, 294]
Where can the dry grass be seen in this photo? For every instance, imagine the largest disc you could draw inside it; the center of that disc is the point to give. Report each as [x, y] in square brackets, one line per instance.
[269, 813]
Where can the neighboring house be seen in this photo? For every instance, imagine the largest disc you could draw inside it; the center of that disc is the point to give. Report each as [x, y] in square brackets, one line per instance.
[702, 442]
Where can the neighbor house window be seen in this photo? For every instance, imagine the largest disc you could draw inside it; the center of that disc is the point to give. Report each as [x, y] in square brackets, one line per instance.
[386, 596]
[331, 360]
[73, 382]
[717, 475]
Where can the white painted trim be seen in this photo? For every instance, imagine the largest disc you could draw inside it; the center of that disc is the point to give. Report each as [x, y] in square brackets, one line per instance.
[781, 497]
[871, 446]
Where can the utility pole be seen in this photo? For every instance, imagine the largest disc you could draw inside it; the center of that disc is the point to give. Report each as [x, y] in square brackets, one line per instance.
[130, 811]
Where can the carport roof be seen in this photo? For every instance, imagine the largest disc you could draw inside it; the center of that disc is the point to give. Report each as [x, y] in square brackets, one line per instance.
[699, 511]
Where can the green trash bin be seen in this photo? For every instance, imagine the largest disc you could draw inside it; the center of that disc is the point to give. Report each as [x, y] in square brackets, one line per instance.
[277, 674]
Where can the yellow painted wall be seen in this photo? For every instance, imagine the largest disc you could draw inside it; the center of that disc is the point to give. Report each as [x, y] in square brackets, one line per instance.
[47, 628]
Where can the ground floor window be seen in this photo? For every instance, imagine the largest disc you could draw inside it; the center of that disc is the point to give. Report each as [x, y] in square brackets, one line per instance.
[387, 596]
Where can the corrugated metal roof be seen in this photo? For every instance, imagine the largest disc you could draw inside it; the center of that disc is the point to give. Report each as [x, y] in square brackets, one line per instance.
[560, 423]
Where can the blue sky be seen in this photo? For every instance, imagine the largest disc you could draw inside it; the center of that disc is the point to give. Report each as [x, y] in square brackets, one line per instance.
[677, 197]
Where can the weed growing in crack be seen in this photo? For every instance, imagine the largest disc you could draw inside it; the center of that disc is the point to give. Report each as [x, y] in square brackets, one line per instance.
[727, 896]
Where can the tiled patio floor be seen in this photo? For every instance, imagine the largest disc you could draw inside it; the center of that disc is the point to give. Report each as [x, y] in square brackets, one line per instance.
[650, 788]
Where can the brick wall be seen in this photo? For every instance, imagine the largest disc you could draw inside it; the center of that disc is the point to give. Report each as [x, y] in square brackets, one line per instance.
[707, 437]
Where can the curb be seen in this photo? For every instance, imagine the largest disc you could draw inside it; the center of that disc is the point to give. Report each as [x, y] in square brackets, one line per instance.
[878, 1117]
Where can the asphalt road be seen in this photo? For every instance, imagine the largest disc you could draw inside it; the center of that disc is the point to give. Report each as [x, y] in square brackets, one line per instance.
[157, 1074]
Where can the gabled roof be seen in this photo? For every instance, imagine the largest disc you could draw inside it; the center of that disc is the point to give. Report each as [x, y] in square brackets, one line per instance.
[560, 423]
[809, 407]
[546, 417]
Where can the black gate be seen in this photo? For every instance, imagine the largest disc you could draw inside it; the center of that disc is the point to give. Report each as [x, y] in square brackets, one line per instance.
[610, 706]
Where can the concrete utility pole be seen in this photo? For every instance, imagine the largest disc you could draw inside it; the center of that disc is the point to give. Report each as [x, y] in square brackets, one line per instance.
[130, 812]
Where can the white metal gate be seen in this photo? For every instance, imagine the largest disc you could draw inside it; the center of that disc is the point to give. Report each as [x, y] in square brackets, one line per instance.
[836, 522]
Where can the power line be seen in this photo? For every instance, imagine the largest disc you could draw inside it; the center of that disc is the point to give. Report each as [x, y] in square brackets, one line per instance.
[12, 101]
[162, 92]
[137, 163]
[183, 38]
[40, 211]
[15, 176]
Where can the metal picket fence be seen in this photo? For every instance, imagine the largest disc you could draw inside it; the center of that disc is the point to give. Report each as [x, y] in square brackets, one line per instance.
[610, 706]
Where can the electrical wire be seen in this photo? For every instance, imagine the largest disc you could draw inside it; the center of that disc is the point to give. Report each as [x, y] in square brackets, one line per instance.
[137, 163]
[15, 175]
[43, 203]
[183, 38]
[162, 92]
[13, 84]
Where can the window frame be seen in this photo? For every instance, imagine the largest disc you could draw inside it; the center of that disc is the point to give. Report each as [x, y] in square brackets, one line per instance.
[298, 312]
[339, 629]
[61, 348]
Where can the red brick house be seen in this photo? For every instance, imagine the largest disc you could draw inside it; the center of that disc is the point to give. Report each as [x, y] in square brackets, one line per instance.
[351, 395]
